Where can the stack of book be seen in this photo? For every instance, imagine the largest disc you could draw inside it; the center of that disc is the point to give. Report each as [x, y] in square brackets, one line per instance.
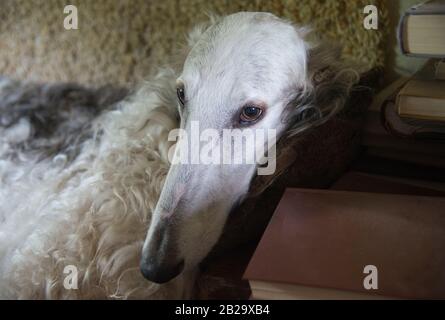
[407, 120]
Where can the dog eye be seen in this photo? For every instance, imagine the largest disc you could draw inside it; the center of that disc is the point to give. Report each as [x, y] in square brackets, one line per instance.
[250, 114]
[180, 92]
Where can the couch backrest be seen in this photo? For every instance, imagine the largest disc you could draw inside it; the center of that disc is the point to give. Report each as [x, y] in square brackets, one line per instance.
[122, 42]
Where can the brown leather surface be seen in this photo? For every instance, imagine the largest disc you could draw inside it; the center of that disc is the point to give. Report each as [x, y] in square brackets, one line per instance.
[325, 238]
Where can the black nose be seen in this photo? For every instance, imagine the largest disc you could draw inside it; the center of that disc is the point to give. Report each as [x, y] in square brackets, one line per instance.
[161, 273]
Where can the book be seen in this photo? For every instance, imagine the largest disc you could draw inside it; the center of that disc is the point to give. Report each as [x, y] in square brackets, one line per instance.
[386, 129]
[422, 99]
[422, 30]
[413, 111]
[410, 127]
[320, 243]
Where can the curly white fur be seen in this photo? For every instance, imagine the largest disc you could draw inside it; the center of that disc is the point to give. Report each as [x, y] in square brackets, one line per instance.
[92, 214]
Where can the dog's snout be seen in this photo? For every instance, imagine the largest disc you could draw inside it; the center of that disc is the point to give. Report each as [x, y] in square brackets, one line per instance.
[160, 260]
[161, 273]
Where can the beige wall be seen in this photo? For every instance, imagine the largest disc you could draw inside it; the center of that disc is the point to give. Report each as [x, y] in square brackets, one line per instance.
[122, 41]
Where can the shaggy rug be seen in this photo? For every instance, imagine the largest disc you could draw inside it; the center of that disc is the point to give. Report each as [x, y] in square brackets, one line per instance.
[124, 41]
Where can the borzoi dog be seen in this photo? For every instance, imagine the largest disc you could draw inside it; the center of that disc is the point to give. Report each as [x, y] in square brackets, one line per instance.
[116, 211]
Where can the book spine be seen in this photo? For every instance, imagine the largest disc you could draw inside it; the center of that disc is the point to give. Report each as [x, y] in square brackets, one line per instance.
[401, 30]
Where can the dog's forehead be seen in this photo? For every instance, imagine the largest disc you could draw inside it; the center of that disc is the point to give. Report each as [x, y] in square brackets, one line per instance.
[242, 36]
[254, 49]
[241, 60]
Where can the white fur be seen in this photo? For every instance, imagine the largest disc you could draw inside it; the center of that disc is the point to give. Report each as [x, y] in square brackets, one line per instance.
[93, 214]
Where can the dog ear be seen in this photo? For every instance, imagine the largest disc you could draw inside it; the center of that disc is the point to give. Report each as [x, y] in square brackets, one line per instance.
[331, 79]
[329, 83]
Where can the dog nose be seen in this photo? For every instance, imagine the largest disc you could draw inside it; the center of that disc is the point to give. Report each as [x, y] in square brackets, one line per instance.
[161, 273]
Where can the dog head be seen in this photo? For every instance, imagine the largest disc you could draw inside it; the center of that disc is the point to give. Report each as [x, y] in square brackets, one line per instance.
[248, 80]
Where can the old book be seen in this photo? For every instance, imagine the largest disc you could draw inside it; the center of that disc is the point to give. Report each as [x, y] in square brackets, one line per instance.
[320, 243]
[422, 30]
[427, 130]
[384, 125]
[422, 99]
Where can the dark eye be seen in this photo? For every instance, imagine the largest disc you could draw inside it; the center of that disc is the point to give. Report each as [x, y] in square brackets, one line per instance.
[250, 114]
[181, 94]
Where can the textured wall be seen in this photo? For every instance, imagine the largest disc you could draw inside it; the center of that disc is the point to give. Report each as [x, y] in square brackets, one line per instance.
[123, 41]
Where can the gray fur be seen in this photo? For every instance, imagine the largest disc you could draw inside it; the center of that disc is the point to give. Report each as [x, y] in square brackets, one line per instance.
[60, 116]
